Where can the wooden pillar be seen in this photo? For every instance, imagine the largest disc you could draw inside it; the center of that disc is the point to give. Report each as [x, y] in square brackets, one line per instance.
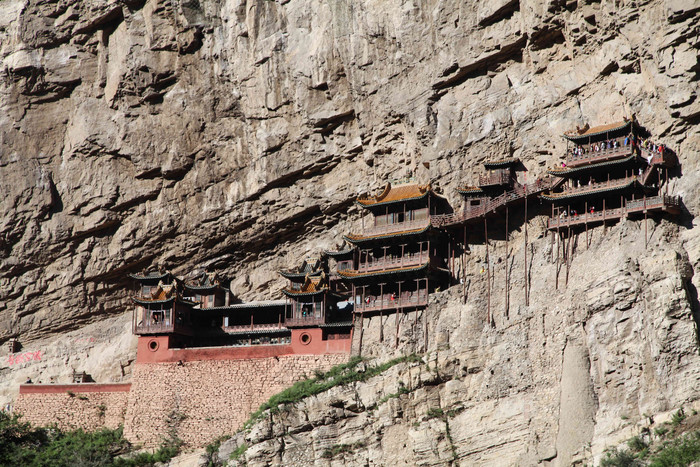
[362, 332]
[585, 221]
[464, 266]
[381, 295]
[646, 241]
[556, 267]
[527, 284]
[396, 341]
[568, 255]
[381, 326]
[488, 273]
[506, 266]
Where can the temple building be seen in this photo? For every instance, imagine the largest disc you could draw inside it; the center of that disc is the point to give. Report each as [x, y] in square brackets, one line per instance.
[399, 256]
[610, 173]
[160, 306]
[311, 300]
[219, 322]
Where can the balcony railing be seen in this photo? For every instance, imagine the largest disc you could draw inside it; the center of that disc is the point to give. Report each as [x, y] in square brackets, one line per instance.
[394, 262]
[631, 206]
[304, 321]
[593, 187]
[495, 178]
[154, 328]
[385, 302]
[396, 227]
[253, 327]
[591, 156]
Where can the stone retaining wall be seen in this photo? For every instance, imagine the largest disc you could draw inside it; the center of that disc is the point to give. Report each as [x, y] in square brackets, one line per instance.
[70, 406]
[202, 400]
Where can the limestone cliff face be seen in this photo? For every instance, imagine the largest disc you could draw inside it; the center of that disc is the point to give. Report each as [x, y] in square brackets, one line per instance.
[580, 369]
[235, 135]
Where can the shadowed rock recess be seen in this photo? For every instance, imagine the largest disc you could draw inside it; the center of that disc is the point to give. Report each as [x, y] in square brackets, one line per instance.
[235, 135]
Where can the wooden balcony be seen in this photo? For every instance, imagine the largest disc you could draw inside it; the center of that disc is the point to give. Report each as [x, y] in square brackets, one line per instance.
[603, 155]
[165, 327]
[594, 187]
[394, 262]
[384, 302]
[244, 328]
[656, 158]
[654, 203]
[395, 228]
[304, 321]
[500, 177]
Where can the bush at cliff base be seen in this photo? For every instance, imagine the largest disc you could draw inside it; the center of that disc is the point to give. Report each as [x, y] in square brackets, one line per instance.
[24, 445]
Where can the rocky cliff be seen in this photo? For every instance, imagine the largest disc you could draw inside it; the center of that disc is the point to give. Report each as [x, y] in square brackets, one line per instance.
[234, 135]
[581, 369]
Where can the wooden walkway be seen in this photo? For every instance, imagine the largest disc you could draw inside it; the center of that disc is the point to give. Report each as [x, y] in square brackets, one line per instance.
[520, 192]
[652, 204]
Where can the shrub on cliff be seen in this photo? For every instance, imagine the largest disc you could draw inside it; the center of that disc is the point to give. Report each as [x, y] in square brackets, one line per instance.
[24, 445]
[339, 375]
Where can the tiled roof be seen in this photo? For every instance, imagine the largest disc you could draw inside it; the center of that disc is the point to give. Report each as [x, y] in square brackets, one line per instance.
[352, 274]
[469, 190]
[501, 163]
[310, 267]
[149, 276]
[248, 305]
[596, 130]
[578, 194]
[344, 252]
[142, 301]
[205, 281]
[562, 171]
[393, 194]
[353, 238]
[312, 286]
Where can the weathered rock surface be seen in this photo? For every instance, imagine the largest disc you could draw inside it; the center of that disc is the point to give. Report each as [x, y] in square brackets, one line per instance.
[580, 369]
[234, 135]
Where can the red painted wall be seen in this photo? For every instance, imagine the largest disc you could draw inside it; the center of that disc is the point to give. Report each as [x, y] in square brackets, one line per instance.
[308, 341]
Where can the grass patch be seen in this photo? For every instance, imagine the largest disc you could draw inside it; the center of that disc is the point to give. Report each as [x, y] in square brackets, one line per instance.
[435, 412]
[339, 375]
[661, 431]
[338, 449]
[637, 444]
[619, 458]
[678, 417]
[212, 448]
[683, 450]
[239, 451]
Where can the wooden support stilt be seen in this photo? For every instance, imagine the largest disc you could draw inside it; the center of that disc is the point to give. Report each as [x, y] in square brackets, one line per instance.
[425, 331]
[527, 282]
[396, 341]
[506, 266]
[551, 247]
[464, 266]
[568, 255]
[362, 332]
[556, 278]
[646, 240]
[454, 245]
[585, 221]
[488, 273]
[381, 327]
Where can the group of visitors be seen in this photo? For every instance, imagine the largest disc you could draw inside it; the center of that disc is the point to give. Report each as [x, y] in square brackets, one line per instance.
[601, 146]
[651, 146]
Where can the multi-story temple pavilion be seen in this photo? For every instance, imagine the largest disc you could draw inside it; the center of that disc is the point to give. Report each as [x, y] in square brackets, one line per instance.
[610, 173]
[399, 256]
[161, 307]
